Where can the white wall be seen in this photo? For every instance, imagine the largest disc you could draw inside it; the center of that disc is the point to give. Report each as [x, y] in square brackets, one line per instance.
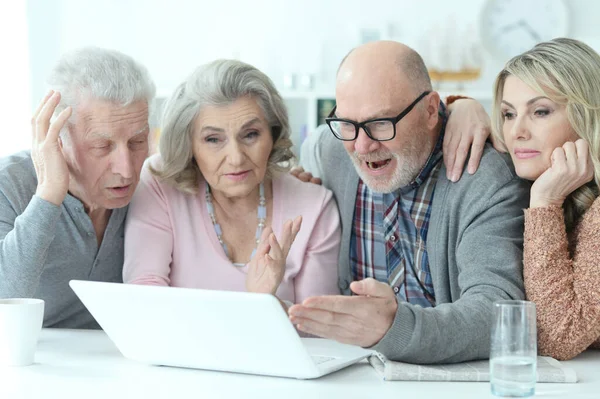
[278, 36]
[15, 92]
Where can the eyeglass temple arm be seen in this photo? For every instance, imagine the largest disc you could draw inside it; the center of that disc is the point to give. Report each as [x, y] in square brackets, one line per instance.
[332, 113]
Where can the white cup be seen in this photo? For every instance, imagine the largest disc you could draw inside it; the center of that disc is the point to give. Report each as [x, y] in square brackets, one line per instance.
[20, 326]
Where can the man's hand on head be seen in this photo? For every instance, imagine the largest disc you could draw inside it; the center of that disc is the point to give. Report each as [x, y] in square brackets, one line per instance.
[49, 162]
[307, 177]
[361, 320]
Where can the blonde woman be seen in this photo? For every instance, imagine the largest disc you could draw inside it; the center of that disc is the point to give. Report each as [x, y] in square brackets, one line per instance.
[547, 113]
[217, 208]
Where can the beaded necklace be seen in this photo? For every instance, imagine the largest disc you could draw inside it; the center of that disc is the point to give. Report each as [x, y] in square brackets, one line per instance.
[261, 213]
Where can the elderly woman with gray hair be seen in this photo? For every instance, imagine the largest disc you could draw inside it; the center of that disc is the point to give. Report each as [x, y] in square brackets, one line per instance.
[216, 209]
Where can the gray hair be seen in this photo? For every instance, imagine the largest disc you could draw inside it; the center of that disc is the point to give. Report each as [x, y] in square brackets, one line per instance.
[102, 74]
[218, 83]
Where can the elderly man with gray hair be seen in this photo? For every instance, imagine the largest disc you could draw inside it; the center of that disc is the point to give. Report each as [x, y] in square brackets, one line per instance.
[63, 205]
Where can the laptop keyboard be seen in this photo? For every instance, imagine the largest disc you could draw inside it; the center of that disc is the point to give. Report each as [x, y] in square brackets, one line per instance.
[321, 359]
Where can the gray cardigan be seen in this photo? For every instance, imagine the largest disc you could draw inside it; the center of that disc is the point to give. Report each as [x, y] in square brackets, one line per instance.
[475, 248]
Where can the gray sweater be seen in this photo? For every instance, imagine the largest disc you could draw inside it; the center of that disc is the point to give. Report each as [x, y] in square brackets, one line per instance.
[44, 246]
[475, 252]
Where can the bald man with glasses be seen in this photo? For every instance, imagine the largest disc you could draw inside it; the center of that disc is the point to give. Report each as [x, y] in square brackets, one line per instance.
[422, 258]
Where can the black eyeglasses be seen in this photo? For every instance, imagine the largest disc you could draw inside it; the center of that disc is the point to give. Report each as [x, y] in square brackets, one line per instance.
[380, 129]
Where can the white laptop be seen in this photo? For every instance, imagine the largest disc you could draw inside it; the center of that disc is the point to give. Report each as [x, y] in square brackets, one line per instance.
[207, 329]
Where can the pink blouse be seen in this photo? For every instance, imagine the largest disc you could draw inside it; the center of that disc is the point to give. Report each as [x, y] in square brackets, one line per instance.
[170, 239]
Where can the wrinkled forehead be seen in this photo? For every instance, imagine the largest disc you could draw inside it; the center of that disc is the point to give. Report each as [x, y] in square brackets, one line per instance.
[106, 118]
[232, 116]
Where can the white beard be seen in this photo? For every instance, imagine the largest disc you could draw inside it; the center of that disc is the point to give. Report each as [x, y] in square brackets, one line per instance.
[408, 165]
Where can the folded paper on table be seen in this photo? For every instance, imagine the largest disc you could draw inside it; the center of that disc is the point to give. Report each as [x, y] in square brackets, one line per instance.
[548, 370]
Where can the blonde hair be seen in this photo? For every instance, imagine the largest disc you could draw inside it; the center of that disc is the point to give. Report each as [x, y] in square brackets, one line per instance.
[218, 83]
[566, 71]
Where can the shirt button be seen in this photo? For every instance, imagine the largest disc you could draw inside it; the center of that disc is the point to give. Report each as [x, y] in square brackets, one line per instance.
[396, 290]
[392, 238]
[90, 234]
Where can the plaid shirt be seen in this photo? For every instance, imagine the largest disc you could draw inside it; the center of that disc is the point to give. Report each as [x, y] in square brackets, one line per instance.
[389, 233]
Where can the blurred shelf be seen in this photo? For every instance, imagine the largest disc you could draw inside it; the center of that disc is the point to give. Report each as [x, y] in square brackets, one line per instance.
[484, 95]
[481, 95]
[303, 107]
[163, 93]
[307, 95]
[314, 95]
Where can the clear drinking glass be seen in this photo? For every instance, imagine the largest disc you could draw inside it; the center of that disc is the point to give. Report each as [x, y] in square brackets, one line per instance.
[513, 354]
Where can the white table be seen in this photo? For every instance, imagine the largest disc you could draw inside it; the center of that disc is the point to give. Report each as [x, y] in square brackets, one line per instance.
[87, 365]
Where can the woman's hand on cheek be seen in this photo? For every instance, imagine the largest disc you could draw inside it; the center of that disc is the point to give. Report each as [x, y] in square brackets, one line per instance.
[571, 168]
